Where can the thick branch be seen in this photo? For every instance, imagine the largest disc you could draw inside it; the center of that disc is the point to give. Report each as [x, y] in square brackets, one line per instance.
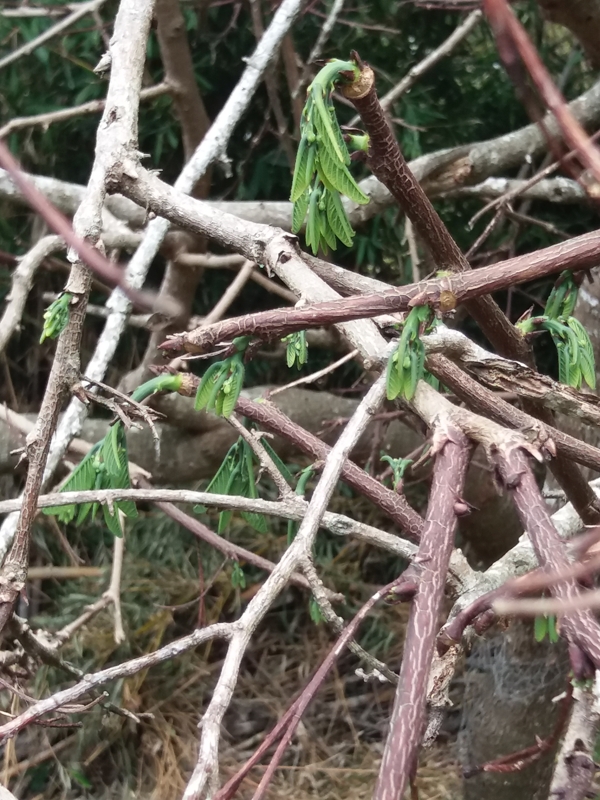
[389, 165]
[431, 563]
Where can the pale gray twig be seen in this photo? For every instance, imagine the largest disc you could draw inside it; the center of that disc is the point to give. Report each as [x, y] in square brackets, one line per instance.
[22, 281]
[80, 11]
[92, 107]
[126, 669]
[414, 73]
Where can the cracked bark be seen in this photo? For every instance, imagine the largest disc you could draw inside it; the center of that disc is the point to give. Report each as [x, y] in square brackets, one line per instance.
[430, 566]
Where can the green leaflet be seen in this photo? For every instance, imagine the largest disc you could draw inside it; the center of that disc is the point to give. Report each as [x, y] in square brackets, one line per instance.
[222, 383]
[337, 218]
[106, 466]
[586, 362]
[546, 626]
[56, 317]
[574, 350]
[394, 378]
[235, 476]
[80, 480]
[399, 467]
[300, 490]
[553, 634]
[299, 181]
[296, 349]
[327, 235]
[299, 212]
[321, 172]
[238, 579]
[540, 628]
[406, 365]
[339, 177]
[323, 124]
[563, 297]
[315, 612]
[313, 231]
[281, 466]
[206, 385]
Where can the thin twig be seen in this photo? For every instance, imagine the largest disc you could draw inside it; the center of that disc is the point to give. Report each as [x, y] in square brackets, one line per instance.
[205, 775]
[266, 462]
[92, 107]
[22, 281]
[126, 669]
[318, 46]
[28, 48]
[230, 294]
[314, 376]
[416, 72]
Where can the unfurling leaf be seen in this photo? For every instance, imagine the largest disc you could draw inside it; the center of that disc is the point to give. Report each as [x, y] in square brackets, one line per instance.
[406, 365]
[238, 579]
[235, 476]
[222, 382]
[106, 466]
[296, 349]
[56, 317]
[540, 628]
[321, 172]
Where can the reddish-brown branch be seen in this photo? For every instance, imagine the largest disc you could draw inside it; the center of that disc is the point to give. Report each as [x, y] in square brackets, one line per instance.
[511, 35]
[408, 716]
[269, 417]
[580, 253]
[568, 448]
[388, 164]
[531, 583]
[515, 762]
[580, 628]
[394, 505]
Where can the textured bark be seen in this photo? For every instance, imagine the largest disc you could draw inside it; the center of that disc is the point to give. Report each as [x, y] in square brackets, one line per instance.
[389, 165]
[428, 570]
[581, 17]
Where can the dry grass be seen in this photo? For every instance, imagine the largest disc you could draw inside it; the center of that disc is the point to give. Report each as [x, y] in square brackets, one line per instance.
[338, 746]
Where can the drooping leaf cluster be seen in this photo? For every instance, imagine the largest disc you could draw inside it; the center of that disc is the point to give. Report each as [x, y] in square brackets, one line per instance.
[321, 174]
[222, 382]
[545, 626]
[296, 351]
[106, 466]
[236, 477]
[406, 365]
[576, 363]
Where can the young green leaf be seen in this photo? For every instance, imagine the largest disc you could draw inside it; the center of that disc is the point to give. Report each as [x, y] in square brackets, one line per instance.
[338, 219]
[339, 177]
[300, 181]
[238, 579]
[299, 211]
[540, 628]
[56, 317]
[207, 385]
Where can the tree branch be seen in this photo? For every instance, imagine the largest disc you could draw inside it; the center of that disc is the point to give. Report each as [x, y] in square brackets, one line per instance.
[430, 566]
